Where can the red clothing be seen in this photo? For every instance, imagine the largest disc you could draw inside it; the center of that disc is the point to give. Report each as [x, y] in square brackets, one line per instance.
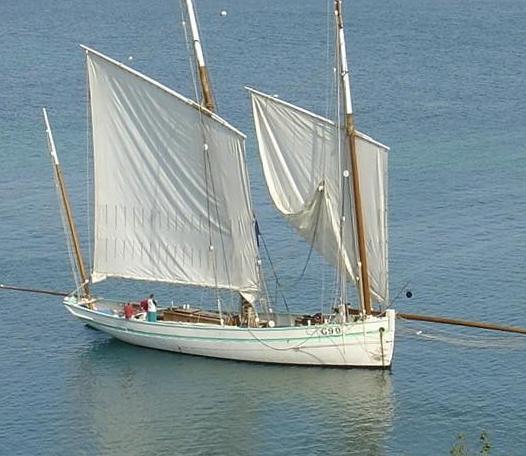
[144, 305]
[128, 311]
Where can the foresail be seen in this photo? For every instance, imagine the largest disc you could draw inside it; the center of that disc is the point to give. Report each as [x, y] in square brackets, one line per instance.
[305, 170]
[172, 199]
[372, 167]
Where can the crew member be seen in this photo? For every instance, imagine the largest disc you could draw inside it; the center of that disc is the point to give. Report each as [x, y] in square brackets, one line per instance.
[128, 311]
[152, 308]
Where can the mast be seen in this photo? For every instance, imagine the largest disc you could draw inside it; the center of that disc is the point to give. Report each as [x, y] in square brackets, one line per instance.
[351, 134]
[206, 87]
[72, 228]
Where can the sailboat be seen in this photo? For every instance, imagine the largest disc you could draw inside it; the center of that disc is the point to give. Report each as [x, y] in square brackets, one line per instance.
[172, 204]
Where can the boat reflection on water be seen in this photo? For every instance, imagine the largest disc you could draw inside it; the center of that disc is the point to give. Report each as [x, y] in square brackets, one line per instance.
[150, 402]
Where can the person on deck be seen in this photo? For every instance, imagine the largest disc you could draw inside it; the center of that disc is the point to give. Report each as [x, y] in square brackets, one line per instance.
[128, 311]
[248, 314]
[152, 309]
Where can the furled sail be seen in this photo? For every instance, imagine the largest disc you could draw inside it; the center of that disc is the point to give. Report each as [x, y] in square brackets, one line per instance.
[172, 198]
[306, 165]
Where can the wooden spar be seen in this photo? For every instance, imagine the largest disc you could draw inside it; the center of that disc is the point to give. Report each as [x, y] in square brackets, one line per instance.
[206, 87]
[452, 321]
[360, 228]
[72, 228]
[351, 135]
[33, 290]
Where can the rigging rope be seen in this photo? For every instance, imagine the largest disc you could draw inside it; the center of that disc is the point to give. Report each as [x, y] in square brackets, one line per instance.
[190, 52]
[328, 92]
[329, 63]
[296, 347]
[329, 97]
[330, 87]
[494, 342]
[278, 284]
[209, 180]
[311, 248]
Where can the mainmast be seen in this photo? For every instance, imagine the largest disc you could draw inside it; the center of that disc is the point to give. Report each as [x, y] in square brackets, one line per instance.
[206, 87]
[68, 213]
[351, 134]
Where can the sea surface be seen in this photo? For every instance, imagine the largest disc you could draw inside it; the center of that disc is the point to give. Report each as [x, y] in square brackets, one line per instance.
[442, 82]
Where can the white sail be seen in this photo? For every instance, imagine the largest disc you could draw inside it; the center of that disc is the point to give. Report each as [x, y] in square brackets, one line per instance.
[172, 199]
[372, 167]
[306, 162]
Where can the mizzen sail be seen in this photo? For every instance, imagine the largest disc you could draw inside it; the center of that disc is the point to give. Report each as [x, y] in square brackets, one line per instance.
[172, 198]
[306, 166]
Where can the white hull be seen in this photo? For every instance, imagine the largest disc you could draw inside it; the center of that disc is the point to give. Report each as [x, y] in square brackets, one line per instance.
[354, 344]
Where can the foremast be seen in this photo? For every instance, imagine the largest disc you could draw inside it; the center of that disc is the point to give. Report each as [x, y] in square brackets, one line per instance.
[363, 286]
[206, 87]
[68, 213]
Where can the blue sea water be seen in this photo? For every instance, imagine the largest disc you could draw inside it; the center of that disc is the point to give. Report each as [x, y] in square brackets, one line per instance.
[441, 82]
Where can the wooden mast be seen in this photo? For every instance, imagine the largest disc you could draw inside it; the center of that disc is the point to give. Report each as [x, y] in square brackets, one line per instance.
[351, 135]
[72, 228]
[206, 87]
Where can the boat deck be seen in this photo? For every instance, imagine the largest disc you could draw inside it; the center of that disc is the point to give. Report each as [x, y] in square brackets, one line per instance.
[187, 314]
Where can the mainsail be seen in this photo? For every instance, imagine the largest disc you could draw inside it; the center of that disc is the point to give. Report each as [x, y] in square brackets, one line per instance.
[172, 199]
[306, 166]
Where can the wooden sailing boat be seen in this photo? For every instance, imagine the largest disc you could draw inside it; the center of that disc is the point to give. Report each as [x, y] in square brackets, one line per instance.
[172, 204]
